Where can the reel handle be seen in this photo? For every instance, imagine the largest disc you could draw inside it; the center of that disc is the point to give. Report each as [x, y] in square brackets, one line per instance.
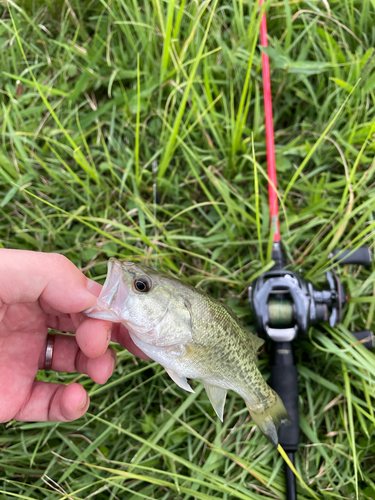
[367, 338]
[361, 256]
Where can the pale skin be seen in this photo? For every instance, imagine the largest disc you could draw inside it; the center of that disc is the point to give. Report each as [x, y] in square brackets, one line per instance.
[39, 291]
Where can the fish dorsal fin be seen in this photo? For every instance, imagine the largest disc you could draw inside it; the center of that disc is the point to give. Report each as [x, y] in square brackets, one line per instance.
[217, 397]
[258, 342]
[180, 381]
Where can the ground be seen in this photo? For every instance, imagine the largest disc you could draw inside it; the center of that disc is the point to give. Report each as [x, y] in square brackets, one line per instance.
[137, 130]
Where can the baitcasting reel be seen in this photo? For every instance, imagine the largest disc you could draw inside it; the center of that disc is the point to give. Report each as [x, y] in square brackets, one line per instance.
[285, 305]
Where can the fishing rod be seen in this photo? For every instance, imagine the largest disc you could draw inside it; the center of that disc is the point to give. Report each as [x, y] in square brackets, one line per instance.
[284, 304]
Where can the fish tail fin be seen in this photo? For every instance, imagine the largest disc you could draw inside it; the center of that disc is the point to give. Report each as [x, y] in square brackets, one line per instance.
[270, 419]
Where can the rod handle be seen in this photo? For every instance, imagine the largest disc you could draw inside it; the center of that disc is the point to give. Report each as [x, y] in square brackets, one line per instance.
[290, 479]
[285, 382]
[361, 256]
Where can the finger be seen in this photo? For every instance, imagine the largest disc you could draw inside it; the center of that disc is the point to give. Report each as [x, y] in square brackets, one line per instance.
[98, 369]
[48, 309]
[68, 357]
[121, 335]
[56, 319]
[27, 276]
[93, 337]
[54, 403]
[60, 324]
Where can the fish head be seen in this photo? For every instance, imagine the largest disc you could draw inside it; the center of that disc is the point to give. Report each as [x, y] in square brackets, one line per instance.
[144, 301]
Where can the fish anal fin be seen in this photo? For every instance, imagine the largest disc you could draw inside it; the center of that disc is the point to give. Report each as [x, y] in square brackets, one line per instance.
[217, 397]
[180, 381]
[270, 419]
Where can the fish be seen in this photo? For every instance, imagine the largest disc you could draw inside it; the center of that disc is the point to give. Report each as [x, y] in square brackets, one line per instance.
[193, 336]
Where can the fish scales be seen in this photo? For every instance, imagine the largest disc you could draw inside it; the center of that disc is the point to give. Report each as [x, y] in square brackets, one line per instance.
[193, 336]
[232, 351]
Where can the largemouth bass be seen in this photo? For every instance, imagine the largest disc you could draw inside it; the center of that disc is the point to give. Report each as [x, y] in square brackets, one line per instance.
[193, 336]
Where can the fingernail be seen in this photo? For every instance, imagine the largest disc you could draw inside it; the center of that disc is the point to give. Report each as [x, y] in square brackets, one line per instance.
[107, 340]
[85, 402]
[109, 334]
[93, 287]
[78, 318]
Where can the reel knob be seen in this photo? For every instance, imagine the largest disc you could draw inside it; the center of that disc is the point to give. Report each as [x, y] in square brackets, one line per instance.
[366, 337]
[362, 256]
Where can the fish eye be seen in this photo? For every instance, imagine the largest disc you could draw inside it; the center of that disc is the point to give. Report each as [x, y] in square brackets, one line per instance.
[142, 284]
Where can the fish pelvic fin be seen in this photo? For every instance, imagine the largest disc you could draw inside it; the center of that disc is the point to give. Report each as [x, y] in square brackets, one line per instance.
[271, 419]
[181, 381]
[217, 397]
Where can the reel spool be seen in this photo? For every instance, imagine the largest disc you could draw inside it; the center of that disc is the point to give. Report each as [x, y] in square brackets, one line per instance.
[280, 313]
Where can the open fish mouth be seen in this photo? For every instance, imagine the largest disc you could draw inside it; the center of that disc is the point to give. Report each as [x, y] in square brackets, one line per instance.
[119, 303]
[113, 297]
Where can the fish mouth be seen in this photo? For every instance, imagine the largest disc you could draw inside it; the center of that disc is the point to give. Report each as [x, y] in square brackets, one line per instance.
[117, 302]
[113, 296]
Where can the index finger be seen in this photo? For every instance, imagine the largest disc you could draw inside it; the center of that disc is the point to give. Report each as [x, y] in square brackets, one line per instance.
[27, 276]
[93, 337]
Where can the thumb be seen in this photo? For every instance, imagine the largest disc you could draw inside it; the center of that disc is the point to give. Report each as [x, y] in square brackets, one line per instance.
[28, 276]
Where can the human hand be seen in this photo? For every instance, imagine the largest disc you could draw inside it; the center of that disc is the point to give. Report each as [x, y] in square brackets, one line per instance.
[40, 291]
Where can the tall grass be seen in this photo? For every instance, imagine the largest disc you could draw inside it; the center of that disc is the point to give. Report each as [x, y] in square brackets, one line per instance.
[137, 130]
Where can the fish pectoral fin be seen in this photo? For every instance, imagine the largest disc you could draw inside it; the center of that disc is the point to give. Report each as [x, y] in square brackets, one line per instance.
[270, 419]
[180, 381]
[217, 397]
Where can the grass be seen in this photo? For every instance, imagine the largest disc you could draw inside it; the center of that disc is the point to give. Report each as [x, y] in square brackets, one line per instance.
[138, 131]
